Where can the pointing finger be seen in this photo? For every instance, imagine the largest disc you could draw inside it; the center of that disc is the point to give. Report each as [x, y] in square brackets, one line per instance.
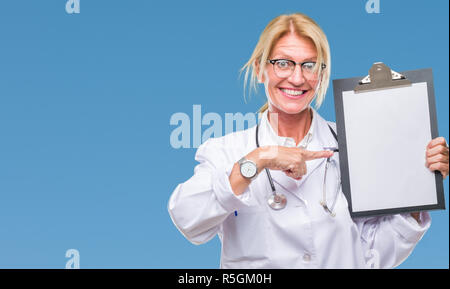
[312, 155]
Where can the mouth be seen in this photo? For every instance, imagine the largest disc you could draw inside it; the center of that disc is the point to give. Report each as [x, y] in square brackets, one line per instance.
[293, 93]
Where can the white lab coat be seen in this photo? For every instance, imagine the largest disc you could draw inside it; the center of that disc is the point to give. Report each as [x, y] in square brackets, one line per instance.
[303, 235]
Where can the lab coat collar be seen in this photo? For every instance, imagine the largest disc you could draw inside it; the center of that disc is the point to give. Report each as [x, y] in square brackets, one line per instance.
[320, 137]
[274, 138]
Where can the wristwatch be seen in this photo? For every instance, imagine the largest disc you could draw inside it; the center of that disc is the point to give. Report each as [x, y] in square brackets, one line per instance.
[248, 168]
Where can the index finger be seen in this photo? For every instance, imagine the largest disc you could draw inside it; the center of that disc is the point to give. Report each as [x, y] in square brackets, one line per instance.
[312, 155]
[437, 141]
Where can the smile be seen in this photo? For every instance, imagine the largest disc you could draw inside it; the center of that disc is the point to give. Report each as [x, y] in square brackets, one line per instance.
[293, 93]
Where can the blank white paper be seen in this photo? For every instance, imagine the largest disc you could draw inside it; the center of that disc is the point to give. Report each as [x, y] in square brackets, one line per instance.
[387, 132]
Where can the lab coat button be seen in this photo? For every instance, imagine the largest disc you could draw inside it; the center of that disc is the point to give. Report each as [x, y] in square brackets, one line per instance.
[306, 257]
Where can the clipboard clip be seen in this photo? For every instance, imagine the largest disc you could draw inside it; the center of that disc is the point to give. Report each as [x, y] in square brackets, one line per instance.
[381, 77]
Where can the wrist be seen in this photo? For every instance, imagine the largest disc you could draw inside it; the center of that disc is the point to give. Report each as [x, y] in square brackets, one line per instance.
[258, 159]
[416, 216]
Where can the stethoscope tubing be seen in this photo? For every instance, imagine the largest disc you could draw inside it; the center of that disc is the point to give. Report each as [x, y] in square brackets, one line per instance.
[269, 176]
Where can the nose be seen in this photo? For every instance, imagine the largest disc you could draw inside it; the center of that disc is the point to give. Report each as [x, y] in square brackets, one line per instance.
[297, 77]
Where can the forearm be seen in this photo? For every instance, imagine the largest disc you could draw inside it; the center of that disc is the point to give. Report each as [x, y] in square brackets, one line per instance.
[393, 237]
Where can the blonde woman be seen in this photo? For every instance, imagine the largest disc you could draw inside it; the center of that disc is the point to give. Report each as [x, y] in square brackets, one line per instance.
[229, 191]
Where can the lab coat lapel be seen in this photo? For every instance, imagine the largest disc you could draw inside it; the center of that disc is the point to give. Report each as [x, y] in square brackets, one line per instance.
[312, 165]
[287, 183]
[322, 138]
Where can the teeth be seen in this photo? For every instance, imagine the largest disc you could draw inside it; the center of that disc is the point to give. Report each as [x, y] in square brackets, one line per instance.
[292, 92]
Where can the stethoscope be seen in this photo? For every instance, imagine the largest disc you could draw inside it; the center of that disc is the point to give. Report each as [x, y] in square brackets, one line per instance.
[278, 201]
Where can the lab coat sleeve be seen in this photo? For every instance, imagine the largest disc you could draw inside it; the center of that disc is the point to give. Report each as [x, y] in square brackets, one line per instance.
[200, 205]
[389, 240]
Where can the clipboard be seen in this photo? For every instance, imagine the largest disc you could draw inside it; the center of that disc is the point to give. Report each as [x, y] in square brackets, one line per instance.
[384, 122]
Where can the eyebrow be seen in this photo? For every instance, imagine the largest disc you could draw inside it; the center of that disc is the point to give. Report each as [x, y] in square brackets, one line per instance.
[283, 56]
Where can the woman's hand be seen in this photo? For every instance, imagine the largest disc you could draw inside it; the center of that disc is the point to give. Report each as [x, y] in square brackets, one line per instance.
[437, 156]
[290, 160]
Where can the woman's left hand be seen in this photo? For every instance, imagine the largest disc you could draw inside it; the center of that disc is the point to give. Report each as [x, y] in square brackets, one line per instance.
[437, 156]
[436, 160]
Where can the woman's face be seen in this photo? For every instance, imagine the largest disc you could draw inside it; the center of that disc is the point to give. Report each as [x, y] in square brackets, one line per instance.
[293, 94]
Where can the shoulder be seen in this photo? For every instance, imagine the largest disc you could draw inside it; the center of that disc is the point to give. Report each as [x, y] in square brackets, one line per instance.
[324, 123]
[229, 146]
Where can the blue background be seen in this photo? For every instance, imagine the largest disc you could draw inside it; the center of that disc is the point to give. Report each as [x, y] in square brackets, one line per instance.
[86, 99]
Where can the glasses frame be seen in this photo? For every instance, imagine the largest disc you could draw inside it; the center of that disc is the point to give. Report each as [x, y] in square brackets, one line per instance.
[273, 61]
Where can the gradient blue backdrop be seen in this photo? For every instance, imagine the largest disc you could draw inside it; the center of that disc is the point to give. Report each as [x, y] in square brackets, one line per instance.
[85, 103]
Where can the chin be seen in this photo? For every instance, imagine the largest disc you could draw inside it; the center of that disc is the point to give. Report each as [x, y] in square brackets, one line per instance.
[293, 108]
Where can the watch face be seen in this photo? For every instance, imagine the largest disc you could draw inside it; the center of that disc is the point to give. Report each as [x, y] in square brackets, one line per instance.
[248, 169]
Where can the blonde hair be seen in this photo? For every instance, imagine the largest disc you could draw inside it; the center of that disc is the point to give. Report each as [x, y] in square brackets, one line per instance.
[303, 26]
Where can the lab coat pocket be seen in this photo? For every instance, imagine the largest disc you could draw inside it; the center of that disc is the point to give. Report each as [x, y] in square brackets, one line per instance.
[245, 236]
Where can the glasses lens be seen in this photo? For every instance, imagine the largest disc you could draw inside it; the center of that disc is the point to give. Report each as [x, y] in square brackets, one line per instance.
[283, 68]
[310, 70]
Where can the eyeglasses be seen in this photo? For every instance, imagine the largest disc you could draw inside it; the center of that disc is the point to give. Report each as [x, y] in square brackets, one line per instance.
[284, 68]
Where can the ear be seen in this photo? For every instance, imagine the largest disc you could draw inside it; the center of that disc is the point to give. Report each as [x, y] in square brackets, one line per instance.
[257, 67]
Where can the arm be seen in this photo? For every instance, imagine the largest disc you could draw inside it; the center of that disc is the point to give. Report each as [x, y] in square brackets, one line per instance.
[392, 238]
[437, 158]
[200, 205]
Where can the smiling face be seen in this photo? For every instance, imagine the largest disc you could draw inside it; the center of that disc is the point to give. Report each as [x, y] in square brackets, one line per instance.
[293, 94]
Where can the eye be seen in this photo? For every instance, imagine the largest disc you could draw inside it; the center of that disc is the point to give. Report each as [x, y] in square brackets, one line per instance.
[283, 64]
[309, 66]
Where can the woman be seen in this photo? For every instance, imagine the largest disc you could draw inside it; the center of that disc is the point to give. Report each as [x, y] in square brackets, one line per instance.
[228, 196]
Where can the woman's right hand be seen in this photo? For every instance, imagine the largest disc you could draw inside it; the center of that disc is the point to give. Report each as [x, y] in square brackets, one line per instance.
[290, 160]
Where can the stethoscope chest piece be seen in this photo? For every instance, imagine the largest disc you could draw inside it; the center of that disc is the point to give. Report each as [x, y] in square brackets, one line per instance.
[277, 201]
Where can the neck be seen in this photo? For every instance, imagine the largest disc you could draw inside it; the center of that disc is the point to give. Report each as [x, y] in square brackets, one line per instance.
[290, 125]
